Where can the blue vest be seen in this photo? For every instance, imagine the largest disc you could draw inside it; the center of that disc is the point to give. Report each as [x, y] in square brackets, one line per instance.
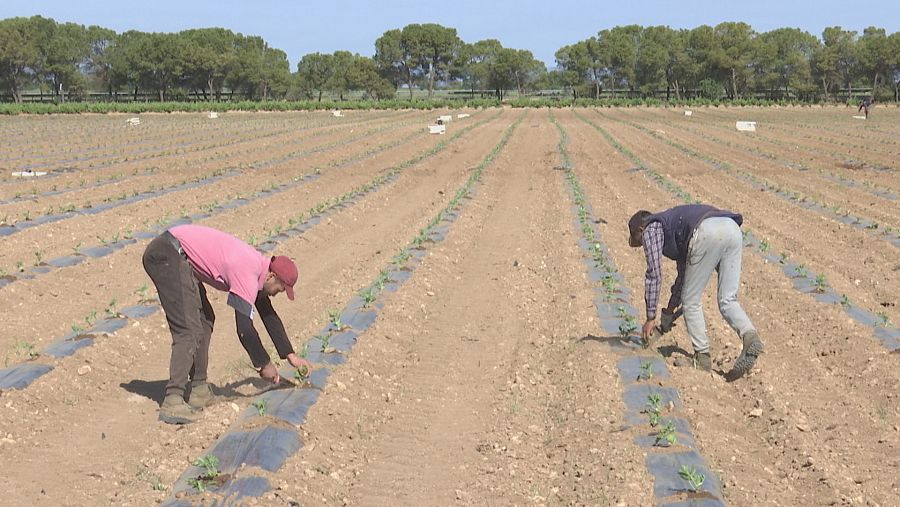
[680, 222]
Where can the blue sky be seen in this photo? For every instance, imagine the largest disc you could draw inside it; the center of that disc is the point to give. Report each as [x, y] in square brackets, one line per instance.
[301, 27]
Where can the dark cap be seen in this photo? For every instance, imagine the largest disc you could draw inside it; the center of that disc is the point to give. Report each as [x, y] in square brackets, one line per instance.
[286, 271]
[634, 227]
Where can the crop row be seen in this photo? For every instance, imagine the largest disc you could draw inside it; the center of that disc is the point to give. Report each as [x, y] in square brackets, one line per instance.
[650, 405]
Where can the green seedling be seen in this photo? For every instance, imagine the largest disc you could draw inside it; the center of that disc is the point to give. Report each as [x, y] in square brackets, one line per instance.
[38, 257]
[784, 258]
[210, 465]
[845, 301]
[884, 320]
[402, 257]
[261, 407]
[91, 318]
[142, 293]
[646, 370]
[77, 329]
[820, 283]
[198, 483]
[368, 296]
[763, 246]
[694, 478]
[628, 325]
[325, 339]
[666, 435]
[802, 271]
[301, 374]
[654, 407]
[25, 348]
[335, 317]
[654, 402]
[111, 310]
[383, 277]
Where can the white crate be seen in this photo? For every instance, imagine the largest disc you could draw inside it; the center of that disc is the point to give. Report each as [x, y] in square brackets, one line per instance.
[462, 115]
[337, 114]
[745, 126]
[445, 118]
[437, 129]
[213, 114]
[133, 121]
[689, 113]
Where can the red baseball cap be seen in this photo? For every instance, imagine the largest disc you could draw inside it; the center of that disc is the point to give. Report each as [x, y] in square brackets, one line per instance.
[286, 271]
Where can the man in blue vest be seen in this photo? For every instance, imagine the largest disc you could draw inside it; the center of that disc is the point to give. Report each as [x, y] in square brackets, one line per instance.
[700, 239]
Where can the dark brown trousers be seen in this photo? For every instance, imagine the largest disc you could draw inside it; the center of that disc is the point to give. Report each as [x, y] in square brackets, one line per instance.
[188, 312]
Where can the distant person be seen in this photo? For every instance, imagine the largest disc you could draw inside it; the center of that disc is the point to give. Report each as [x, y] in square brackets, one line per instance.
[866, 104]
[700, 239]
[183, 259]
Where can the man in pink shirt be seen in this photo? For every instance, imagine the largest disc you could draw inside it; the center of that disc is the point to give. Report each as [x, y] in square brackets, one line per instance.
[180, 262]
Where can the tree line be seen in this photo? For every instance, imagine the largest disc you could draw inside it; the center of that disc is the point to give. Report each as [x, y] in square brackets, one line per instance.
[733, 59]
[730, 59]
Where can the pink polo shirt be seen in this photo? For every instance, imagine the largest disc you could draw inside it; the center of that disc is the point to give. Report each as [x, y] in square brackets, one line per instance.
[224, 262]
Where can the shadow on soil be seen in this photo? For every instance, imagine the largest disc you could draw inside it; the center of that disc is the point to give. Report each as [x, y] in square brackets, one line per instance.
[151, 389]
[156, 389]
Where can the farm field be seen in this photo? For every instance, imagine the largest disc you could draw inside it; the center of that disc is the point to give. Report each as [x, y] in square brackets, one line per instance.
[488, 305]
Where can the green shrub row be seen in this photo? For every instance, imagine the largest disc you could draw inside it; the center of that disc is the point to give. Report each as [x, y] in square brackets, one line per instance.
[200, 107]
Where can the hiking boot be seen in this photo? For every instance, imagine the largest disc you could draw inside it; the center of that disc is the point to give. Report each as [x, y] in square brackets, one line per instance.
[174, 410]
[700, 360]
[201, 395]
[753, 347]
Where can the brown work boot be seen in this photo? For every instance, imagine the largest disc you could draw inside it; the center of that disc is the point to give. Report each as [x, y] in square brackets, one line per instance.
[201, 395]
[174, 410]
[753, 347]
[700, 360]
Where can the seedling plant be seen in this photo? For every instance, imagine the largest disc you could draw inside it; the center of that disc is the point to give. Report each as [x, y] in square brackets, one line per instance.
[210, 465]
[666, 435]
[335, 317]
[694, 478]
[654, 408]
[628, 324]
[820, 283]
[261, 407]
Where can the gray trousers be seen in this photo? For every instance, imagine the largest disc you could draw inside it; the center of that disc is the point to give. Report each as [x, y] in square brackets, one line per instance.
[188, 312]
[716, 245]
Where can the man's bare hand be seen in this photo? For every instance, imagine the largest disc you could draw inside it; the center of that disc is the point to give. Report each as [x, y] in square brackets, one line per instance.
[297, 362]
[270, 373]
[647, 330]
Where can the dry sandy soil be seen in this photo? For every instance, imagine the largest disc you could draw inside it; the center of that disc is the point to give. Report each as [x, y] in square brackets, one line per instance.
[488, 377]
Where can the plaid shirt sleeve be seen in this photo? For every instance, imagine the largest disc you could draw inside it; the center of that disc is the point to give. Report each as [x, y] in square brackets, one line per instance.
[653, 245]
